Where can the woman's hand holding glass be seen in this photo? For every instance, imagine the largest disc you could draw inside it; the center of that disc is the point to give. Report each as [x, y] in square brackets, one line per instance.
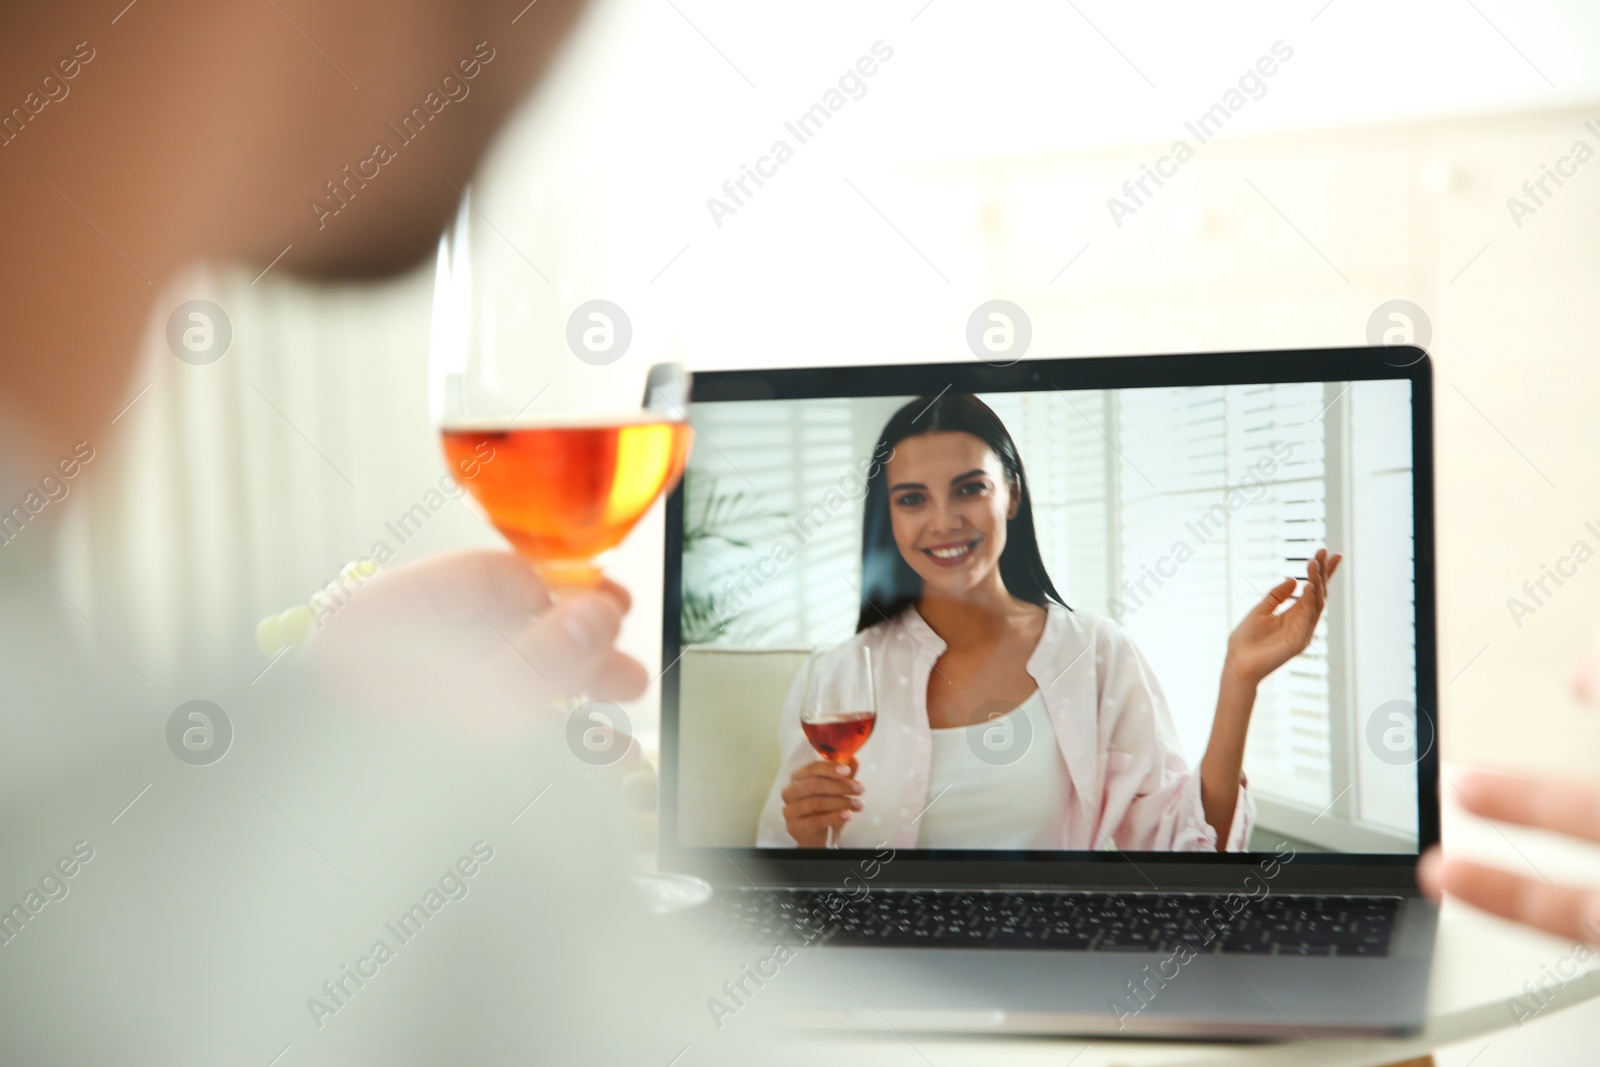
[821, 796]
[1268, 638]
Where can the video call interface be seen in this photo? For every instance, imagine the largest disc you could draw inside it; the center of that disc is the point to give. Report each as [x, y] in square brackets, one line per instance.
[847, 565]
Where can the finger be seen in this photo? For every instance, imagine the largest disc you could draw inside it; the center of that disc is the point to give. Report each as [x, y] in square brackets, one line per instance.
[816, 824]
[619, 677]
[1315, 594]
[1562, 910]
[1314, 575]
[808, 783]
[1328, 564]
[1307, 609]
[1586, 679]
[1586, 671]
[1563, 806]
[819, 786]
[1276, 596]
[828, 770]
[819, 777]
[820, 805]
[1428, 874]
[617, 592]
[813, 837]
[499, 583]
[568, 643]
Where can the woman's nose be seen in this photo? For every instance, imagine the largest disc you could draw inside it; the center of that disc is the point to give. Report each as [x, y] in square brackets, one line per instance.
[946, 519]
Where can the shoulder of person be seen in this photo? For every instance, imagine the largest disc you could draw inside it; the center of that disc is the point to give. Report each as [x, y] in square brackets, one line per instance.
[1071, 630]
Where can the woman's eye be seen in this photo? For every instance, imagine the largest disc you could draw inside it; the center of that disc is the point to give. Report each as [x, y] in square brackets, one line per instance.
[972, 489]
[908, 500]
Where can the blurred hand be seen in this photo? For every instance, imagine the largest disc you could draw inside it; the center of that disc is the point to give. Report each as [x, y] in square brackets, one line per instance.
[1571, 808]
[821, 795]
[1265, 641]
[1567, 808]
[475, 633]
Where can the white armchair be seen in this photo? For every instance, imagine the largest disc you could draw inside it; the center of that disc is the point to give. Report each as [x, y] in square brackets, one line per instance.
[729, 703]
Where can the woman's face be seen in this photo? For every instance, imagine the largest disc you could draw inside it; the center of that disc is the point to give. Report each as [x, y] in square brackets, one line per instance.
[949, 500]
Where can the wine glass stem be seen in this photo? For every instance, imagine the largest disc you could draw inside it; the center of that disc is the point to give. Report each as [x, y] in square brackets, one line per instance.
[831, 843]
[568, 577]
[564, 580]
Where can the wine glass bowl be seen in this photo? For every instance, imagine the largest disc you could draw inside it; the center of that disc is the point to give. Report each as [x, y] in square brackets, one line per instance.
[560, 414]
[838, 735]
[564, 495]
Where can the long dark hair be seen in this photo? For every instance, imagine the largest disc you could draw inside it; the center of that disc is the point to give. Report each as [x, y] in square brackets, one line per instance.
[888, 584]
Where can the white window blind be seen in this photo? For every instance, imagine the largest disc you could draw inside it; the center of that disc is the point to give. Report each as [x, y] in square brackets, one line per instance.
[769, 473]
[1133, 490]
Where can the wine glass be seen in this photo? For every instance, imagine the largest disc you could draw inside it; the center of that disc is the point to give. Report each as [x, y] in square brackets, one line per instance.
[561, 413]
[535, 388]
[840, 705]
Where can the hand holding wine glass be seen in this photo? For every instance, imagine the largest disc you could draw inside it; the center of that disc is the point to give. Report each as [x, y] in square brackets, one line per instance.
[819, 799]
[838, 711]
[475, 632]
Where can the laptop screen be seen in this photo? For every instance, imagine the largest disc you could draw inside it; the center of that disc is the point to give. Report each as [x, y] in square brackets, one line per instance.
[1034, 620]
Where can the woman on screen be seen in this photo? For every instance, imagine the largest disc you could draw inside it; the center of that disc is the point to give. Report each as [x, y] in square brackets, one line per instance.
[1005, 719]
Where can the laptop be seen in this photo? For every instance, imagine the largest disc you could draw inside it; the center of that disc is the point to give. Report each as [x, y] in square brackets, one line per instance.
[1066, 861]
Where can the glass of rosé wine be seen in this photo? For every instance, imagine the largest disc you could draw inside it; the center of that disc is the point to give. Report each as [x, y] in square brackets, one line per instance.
[535, 389]
[840, 705]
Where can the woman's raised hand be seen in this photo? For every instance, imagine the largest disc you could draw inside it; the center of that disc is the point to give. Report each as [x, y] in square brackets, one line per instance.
[1267, 638]
[820, 795]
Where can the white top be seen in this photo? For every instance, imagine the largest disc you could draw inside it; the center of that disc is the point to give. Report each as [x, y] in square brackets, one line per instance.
[1130, 786]
[996, 784]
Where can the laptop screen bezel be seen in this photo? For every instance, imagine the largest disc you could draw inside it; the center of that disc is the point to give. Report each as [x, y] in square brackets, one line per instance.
[1070, 869]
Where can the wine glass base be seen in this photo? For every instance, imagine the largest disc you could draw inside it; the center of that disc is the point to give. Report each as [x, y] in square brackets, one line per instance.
[666, 893]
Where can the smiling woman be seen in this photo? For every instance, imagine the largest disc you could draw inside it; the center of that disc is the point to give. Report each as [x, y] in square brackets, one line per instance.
[1009, 720]
[900, 550]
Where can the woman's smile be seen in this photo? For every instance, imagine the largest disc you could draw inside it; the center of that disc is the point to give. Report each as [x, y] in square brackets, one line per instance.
[953, 553]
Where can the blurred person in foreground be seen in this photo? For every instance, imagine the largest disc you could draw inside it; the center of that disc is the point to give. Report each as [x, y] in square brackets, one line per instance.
[399, 860]
[1565, 807]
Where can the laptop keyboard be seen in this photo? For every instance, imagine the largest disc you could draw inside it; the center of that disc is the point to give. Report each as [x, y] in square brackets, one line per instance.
[1064, 921]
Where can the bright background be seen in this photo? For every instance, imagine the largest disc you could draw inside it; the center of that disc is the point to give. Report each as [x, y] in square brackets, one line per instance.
[977, 166]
